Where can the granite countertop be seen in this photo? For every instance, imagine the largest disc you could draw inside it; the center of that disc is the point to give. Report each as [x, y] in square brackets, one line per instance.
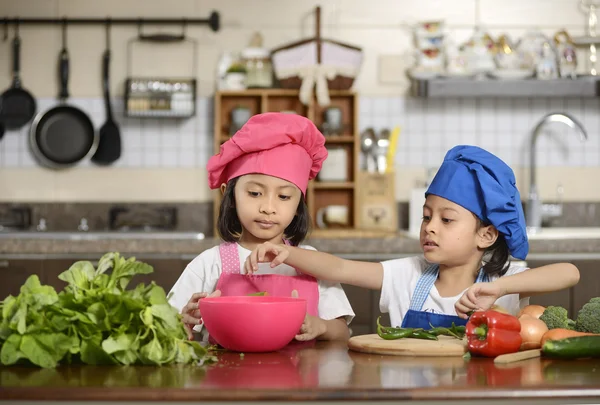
[322, 371]
[354, 247]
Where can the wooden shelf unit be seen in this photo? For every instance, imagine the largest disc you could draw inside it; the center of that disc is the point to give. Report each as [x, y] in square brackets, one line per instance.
[319, 194]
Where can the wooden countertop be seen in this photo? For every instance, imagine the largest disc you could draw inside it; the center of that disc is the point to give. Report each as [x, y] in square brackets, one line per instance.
[324, 371]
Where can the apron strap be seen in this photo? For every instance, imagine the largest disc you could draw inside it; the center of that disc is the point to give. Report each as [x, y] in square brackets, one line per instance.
[426, 282]
[230, 258]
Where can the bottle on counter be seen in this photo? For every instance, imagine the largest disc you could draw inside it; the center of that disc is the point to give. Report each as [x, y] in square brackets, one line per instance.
[257, 60]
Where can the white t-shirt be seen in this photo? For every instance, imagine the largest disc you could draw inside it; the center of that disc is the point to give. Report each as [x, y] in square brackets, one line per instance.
[202, 274]
[400, 278]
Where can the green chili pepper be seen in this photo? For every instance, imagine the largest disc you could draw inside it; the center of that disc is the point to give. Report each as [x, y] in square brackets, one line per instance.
[398, 334]
[421, 334]
[457, 332]
[391, 333]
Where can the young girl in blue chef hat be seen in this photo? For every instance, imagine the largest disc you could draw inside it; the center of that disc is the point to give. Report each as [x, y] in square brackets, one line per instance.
[472, 222]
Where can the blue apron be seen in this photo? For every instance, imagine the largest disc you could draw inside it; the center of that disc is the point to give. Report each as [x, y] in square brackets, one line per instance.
[416, 318]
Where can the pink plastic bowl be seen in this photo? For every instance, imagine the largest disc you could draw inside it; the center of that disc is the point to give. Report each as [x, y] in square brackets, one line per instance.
[252, 323]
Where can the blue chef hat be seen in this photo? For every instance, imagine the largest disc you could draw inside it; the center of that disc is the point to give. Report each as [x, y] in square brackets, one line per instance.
[482, 183]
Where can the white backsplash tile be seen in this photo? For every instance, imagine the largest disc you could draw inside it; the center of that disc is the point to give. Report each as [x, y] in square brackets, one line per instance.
[429, 129]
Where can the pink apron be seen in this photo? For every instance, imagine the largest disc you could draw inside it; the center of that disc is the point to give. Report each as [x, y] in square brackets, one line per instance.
[233, 282]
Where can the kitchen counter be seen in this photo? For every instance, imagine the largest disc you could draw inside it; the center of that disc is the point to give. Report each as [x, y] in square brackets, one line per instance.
[376, 248]
[321, 372]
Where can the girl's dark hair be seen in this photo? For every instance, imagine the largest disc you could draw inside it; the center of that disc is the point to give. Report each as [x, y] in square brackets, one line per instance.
[496, 257]
[230, 228]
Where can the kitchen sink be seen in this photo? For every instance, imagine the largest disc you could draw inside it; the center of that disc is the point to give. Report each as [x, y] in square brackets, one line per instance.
[566, 233]
[101, 235]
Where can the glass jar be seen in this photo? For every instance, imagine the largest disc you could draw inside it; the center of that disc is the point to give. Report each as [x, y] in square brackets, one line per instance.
[259, 70]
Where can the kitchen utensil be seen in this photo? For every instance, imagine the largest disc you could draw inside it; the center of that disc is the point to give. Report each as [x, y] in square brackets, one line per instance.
[367, 144]
[333, 121]
[64, 135]
[391, 152]
[239, 116]
[591, 38]
[518, 356]
[161, 97]
[332, 215]
[380, 150]
[445, 346]
[252, 323]
[109, 143]
[18, 105]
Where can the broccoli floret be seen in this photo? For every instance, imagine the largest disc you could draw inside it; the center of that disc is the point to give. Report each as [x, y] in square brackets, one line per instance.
[588, 318]
[557, 317]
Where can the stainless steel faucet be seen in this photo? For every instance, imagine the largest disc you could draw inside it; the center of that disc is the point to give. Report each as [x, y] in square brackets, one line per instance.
[535, 208]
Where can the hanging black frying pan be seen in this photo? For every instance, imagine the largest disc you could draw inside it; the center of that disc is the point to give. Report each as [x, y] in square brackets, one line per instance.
[64, 135]
[18, 105]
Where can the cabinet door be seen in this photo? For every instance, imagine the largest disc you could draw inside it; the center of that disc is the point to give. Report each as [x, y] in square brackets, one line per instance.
[589, 283]
[166, 272]
[361, 302]
[14, 273]
[53, 267]
[563, 298]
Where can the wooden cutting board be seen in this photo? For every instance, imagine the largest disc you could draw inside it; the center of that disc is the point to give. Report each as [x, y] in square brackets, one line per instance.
[444, 347]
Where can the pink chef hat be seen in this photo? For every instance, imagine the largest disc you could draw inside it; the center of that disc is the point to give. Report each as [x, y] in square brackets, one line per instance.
[282, 145]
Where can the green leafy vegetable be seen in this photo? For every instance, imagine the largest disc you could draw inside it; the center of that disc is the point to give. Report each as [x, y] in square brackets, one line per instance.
[95, 320]
[557, 318]
[588, 317]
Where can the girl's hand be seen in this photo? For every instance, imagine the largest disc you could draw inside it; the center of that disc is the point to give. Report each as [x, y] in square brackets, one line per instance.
[311, 328]
[191, 312]
[266, 252]
[479, 297]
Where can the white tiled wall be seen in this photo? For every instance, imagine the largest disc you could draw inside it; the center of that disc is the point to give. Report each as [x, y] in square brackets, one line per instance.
[428, 129]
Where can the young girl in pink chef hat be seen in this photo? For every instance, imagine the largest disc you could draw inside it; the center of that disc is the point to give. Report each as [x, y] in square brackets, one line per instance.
[263, 172]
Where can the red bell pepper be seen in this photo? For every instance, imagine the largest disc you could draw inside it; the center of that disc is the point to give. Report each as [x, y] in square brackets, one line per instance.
[492, 333]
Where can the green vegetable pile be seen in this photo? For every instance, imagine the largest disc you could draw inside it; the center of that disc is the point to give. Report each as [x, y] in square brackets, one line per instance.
[392, 333]
[588, 317]
[557, 318]
[95, 320]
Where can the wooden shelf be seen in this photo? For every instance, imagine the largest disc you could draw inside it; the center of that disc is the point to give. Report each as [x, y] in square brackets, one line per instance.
[339, 139]
[333, 185]
[277, 92]
[320, 194]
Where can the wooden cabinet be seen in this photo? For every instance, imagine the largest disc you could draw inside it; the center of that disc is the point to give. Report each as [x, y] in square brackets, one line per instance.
[51, 268]
[572, 298]
[14, 273]
[320, 194]
[589, 283]
[166, 272]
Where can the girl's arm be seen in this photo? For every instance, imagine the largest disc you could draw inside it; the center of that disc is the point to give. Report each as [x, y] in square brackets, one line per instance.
[318, 264]
[545, 279]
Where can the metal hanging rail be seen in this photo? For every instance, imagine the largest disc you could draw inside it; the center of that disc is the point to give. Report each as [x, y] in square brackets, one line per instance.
[212, 21]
